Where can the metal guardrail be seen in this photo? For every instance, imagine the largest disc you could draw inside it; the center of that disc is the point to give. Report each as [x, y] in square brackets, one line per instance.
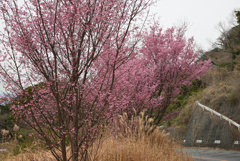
[231, 122]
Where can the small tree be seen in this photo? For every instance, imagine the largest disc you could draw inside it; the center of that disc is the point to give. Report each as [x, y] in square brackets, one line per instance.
[229, 40]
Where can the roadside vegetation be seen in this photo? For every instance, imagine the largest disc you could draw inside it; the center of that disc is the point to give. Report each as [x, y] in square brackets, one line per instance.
[132, 141]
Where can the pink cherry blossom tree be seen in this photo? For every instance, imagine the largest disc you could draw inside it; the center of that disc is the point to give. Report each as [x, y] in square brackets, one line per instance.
[167, 61]
[74, 48]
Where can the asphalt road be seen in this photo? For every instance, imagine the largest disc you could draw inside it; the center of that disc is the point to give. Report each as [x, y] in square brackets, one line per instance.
[213, 155]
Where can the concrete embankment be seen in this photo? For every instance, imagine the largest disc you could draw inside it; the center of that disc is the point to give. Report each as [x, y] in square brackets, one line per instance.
[206, 130]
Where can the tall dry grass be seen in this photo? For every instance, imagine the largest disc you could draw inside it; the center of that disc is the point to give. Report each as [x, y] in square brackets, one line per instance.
[133, 141]
[33, 152]
[155, 147]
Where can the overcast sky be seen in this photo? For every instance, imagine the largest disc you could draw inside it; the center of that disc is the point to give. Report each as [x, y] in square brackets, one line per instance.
[202, 16]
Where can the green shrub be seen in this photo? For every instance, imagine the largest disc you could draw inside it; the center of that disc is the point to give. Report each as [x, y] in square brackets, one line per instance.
[233, 99]
[26, 143]
[181, 101]
[228, 65]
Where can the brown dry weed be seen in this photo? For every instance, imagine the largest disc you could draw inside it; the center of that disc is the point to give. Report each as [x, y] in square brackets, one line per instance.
[134, 144]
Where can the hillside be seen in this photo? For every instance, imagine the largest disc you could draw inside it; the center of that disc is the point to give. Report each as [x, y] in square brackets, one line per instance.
[222, 81]
[220, 90]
